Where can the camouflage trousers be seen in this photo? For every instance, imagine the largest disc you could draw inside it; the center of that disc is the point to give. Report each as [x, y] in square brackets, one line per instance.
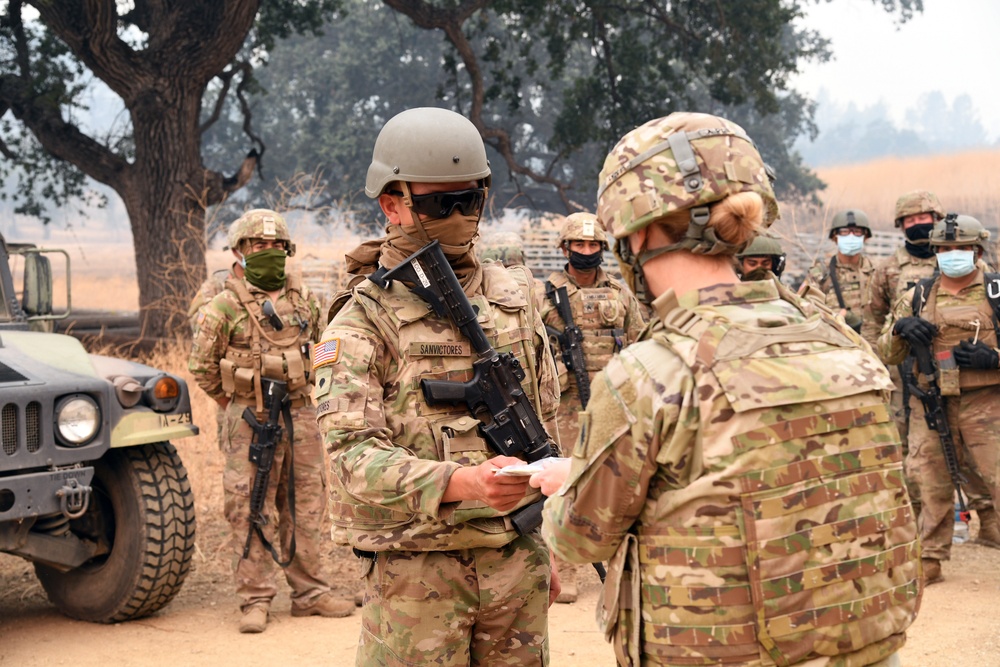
[255, 574]
[470, 607]
[975, 427]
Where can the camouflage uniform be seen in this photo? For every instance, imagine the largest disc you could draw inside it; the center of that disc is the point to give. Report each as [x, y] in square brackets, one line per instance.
[213, 285]
[972, 408]
[234, 347]
[738, 465]
[504, 247]
[853, 281]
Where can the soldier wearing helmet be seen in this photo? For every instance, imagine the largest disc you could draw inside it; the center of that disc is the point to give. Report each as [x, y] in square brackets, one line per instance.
[435, 513]
[258, 328]
[608, 316]
[504, 247]
[703, 472]
[762, 256]
[955, 312]
[843, 278]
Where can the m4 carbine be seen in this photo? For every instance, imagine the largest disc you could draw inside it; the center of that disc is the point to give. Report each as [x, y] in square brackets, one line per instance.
[570, 340]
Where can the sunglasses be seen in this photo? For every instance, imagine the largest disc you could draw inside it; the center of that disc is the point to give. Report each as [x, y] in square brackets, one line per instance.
[442, 204]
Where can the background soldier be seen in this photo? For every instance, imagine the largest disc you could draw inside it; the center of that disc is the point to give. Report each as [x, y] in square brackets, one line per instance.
[504, 247]
[608, 315]
[762, 256]
[733, 456]
[258, 327]
[953, 313]
[844, 278]
[414, 486]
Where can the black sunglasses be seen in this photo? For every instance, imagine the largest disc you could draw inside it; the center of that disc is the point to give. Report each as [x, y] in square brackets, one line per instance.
[442, 204]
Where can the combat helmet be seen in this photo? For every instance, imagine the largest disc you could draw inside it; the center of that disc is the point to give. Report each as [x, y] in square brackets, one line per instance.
[959, 230]
[427, 145]
[916, 202]
[504, 247]
[852, 217]
[582, 226]
[260, 223]
[765, 246]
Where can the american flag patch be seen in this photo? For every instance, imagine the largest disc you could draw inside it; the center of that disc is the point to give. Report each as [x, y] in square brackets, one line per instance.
[327, 352]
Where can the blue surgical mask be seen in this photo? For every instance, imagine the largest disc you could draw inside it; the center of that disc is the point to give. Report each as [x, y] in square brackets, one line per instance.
[957, 263]
[850, 245]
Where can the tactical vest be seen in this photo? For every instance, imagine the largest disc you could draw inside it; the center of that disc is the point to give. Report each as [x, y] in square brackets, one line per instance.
[424, 346]
[262, 351]
[910, 271]
[599, 312]
[852, 281]
[795, 540]
[973, 318]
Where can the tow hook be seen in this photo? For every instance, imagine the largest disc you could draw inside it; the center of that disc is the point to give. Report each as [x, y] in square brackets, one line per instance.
[74, 499]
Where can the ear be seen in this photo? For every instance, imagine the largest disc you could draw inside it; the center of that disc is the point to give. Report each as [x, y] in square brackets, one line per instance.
[565, 250]
[637, 239]
[236, 254]
[392, 207]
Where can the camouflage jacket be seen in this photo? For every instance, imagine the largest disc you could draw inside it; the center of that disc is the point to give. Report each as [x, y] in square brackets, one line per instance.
[214, 284]
[853, 282]
[226, 335]
[892, 277]
[391, 454]
[741, 471]
[608, 315]
[967, 315]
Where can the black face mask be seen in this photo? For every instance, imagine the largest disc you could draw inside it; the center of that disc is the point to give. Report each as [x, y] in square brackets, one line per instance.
[582, 262]
[916, 240]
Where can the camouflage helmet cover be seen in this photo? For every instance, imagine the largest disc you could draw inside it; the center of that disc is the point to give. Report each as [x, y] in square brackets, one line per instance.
[852, 217]
[762, 245]
[676, 163]
[582, 226]
[260, 223]
[916, 202]
[427, 145]
[959, 230]
[504, 247]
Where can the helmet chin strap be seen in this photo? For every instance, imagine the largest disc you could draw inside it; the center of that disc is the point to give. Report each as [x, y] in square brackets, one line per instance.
[424, 237]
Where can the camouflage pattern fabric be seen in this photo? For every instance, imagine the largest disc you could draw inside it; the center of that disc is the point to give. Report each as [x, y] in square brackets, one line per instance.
[853, 281]
[740, 469]
[214, 284]
[419, 605]
[225, 327]
[392, 456]
[504, 247]
[973, 403]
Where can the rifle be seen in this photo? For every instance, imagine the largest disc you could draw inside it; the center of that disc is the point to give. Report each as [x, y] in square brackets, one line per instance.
[936, 415]
[265, 440]
[570, 340]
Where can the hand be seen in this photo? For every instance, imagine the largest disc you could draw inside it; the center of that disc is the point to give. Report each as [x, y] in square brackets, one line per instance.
[551, 478]
[978, 355]
[501, 492]
[915, 330]
[555, 584]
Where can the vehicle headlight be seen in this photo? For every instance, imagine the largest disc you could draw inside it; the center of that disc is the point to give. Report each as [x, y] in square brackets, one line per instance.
[162, 393]
[78, 419]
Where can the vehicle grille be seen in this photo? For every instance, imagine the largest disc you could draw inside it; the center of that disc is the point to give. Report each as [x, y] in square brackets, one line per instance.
[33, 417]
[8, 428]
[9, 418]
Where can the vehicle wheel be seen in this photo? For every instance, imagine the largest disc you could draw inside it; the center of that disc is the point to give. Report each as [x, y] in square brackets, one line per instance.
[143, 510]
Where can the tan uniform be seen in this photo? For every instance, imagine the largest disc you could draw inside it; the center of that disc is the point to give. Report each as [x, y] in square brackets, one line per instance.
[853, 282]
[743, 474]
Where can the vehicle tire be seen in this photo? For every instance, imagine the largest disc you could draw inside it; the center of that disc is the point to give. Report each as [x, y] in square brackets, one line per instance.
[142, 508]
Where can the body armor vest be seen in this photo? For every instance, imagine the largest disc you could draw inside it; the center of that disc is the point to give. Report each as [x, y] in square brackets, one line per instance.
[852, 280]
[910, 271]
[425, 346]
[795, 538]
[260, 350]
[600, 314]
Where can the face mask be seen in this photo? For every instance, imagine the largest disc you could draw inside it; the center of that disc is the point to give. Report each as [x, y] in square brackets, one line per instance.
[265, 269]
[757, 274]
[918, 233]
[582, 262]
[957, 263]
[850, 245]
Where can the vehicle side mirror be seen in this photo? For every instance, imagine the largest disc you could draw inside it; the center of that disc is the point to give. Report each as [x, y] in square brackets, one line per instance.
[37, 294]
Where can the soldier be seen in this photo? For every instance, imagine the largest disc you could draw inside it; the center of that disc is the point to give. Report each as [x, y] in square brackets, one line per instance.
[259, 327]
[954, 312]
[609, 317]
[739, 466]
[214, 284]
[448, 581]
[844, 279]
[762, 256]
[504, 247]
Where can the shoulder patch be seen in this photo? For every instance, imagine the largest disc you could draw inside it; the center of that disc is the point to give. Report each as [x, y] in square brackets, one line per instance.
[326, 352]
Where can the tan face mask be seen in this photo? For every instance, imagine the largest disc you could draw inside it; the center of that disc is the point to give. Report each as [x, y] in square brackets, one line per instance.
[456, 234]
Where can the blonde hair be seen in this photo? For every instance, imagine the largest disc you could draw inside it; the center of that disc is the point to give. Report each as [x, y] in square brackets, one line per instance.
[737, 219]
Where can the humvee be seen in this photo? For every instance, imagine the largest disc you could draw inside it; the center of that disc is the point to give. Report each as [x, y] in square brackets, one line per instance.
[91, 490]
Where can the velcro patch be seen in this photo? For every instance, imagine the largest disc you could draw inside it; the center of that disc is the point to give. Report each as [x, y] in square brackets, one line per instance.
[457, 349]
[326, 353]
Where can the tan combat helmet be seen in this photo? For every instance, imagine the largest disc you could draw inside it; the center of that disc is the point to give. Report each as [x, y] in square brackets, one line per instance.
[260, 223]
[916, 202]
[852, 217]
[959, 230]
[504, 247]
[582, 226]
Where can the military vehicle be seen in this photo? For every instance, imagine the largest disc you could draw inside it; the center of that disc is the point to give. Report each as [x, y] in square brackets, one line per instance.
[91, 490]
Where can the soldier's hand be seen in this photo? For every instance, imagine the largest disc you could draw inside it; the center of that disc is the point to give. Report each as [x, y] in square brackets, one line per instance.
[551, 477]
[915, 330]
[501, 492]
[978, 355]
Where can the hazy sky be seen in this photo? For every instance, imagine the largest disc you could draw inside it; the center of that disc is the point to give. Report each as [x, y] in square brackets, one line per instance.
[952, 47]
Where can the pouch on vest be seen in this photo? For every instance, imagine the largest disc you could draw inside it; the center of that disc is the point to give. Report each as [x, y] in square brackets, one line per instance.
[949, 382]
[618, 611]
[227, 370]
[610, 311]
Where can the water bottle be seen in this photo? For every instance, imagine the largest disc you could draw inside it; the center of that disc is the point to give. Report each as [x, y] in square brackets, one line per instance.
[961, 534]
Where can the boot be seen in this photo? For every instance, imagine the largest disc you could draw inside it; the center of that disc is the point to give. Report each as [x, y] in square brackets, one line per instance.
[568, 594]
[989, 528]
[254, 619]
[932, 571]
[325, 605]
